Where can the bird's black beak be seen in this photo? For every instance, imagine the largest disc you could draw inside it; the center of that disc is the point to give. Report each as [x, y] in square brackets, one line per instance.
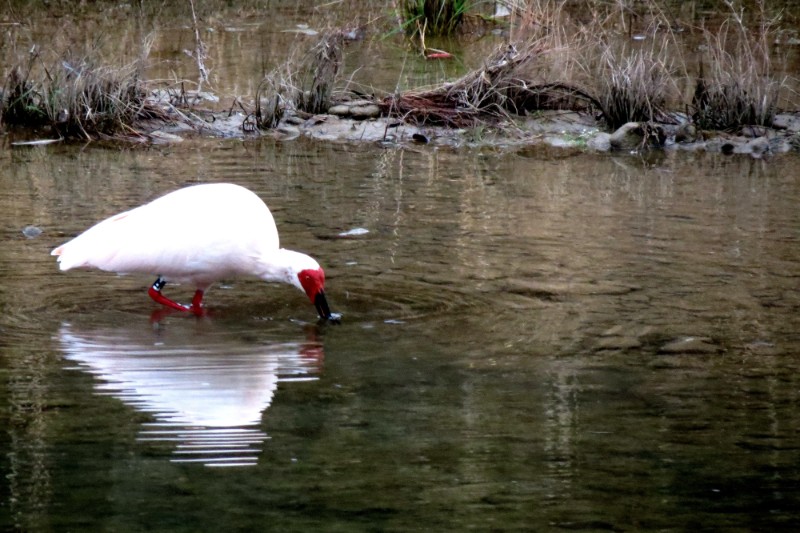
[321, 303]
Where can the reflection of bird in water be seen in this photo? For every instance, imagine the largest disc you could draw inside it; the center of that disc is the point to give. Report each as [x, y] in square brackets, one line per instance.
[206, 391]
[196, 235]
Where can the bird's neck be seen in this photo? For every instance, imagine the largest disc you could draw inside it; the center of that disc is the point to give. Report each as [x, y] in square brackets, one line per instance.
[282, 266]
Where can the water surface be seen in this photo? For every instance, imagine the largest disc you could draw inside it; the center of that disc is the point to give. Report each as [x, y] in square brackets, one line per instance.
[587, 342]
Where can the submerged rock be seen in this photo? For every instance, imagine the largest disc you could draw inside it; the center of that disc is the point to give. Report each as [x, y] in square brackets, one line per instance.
[31, 232]
[686, 133]
[794, 142]
[420, 138]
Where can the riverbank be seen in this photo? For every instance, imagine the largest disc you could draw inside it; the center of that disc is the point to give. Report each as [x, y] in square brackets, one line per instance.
[583, 81]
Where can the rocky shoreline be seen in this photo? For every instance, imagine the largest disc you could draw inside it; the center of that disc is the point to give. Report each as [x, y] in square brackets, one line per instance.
[365, 121]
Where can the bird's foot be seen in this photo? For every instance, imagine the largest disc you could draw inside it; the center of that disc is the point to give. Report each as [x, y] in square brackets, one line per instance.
[196, 308]
[160, 314]
[334, 318]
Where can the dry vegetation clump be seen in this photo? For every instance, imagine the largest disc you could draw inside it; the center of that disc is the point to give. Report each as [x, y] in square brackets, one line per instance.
[320, 73]
[276, 92]
[75, 97]
[306, 84]
[634, 86]
[736, 84]
[20, 102]
[270, 101]
[632, 79]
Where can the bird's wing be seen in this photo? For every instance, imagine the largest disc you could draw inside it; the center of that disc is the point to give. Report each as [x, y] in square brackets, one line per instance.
[181, 240]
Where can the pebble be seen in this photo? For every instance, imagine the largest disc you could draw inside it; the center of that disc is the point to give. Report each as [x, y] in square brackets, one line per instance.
[698, 345]
[355, 232]
[31, 232]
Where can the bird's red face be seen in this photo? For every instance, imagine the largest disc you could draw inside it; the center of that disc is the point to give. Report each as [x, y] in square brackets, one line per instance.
[313, 282]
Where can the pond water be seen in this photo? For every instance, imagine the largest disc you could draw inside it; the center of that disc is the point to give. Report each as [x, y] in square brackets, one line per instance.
[531, 339]
[528, 341]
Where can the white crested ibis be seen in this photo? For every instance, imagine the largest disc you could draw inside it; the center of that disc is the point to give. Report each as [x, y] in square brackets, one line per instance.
[196, 235]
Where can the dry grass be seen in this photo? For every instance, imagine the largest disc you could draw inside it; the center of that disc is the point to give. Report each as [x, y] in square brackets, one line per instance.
[278, 91]
[634, 85]
[631, 73]
[304, 84]
[270, 101]
[321, 69]
[737, 86]
[76, 97]
[558, 63]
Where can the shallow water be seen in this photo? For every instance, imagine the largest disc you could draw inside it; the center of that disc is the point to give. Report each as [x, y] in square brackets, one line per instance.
[591, 342]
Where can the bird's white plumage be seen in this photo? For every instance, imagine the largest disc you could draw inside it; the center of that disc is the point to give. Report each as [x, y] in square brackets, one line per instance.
[197, 235]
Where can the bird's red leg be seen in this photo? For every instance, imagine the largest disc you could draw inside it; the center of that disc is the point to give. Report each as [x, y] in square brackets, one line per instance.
[155, 294]
[196, 301]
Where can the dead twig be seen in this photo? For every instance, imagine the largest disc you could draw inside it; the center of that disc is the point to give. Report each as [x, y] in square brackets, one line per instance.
[199, 53]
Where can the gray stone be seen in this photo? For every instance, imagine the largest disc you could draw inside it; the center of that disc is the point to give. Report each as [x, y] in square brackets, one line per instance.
[600, 142]
[340, 110]
[787, 121]
[365, 111]
[758, 146]
[686, 133]
[637, 135]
